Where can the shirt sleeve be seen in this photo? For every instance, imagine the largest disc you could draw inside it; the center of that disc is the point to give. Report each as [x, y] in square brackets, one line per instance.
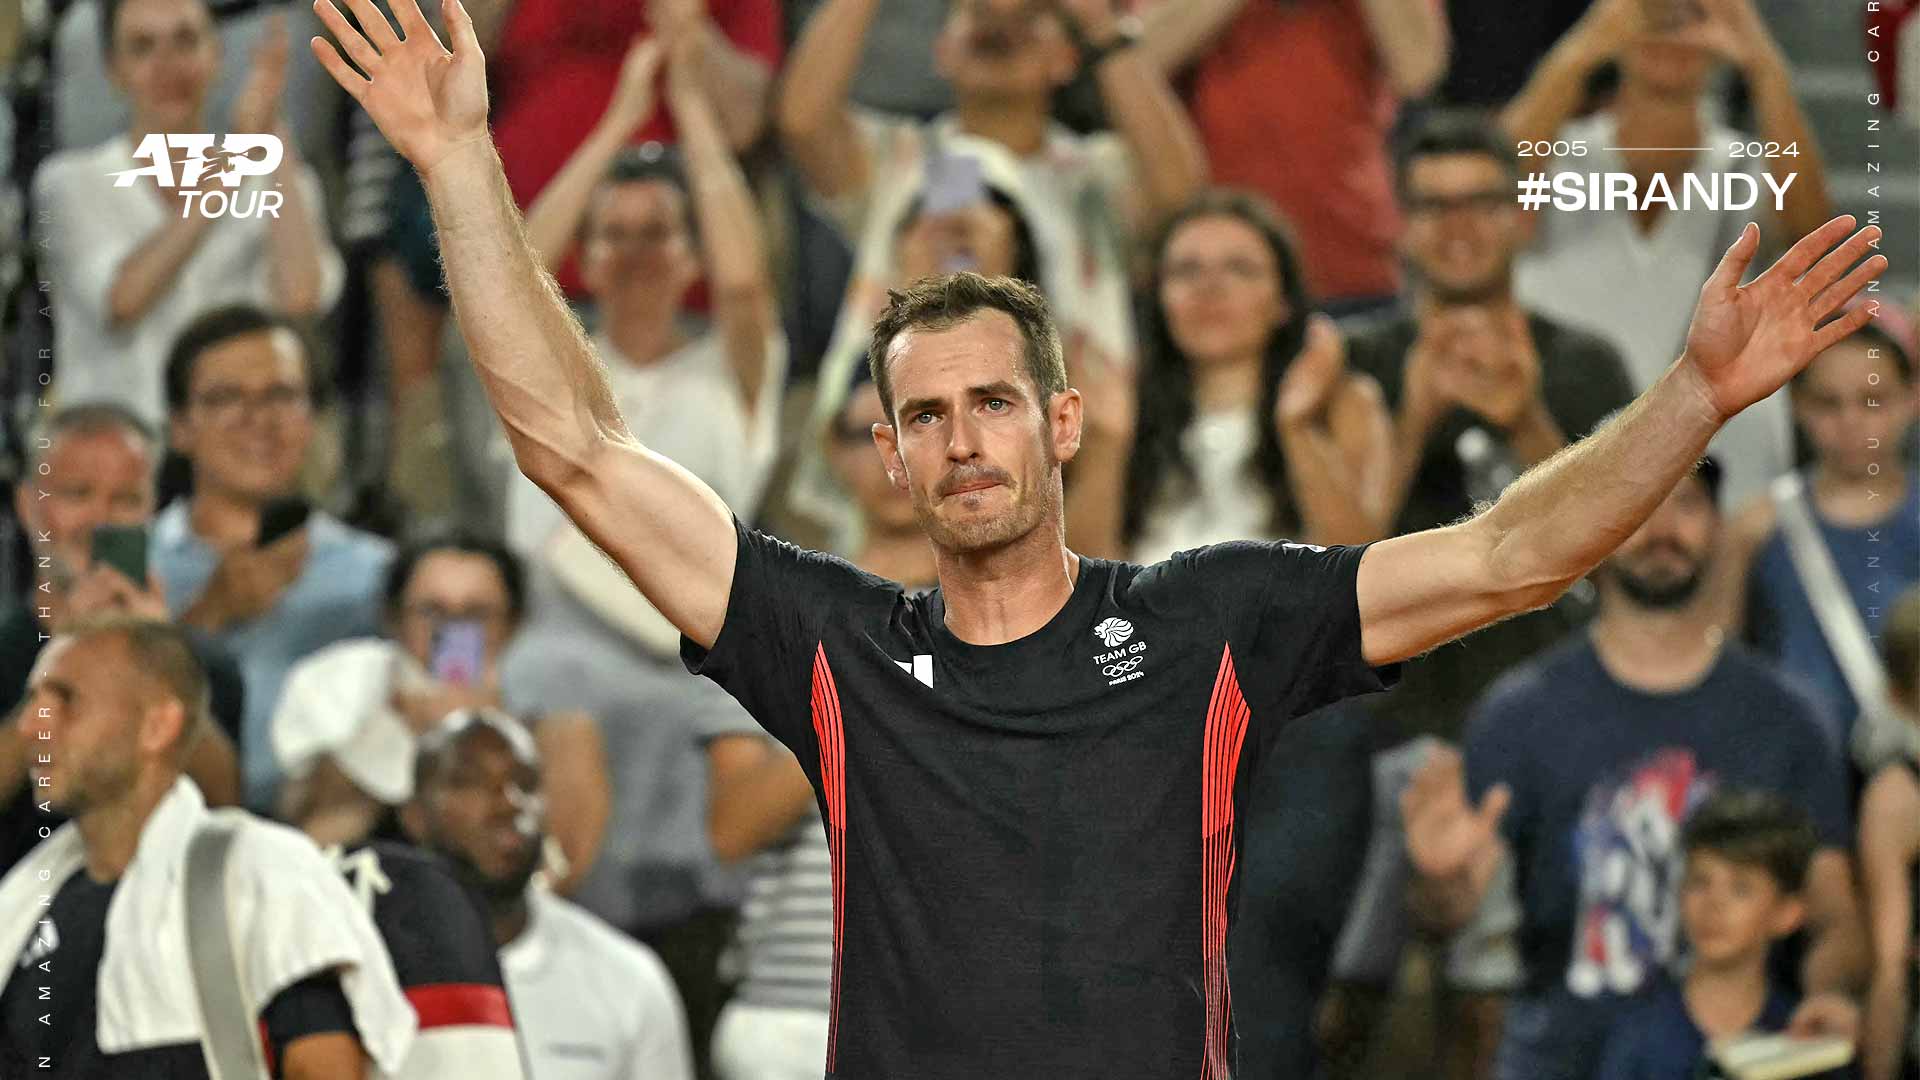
[662, 1049]
[781, 598]
[1293, 619]
[312, 1006]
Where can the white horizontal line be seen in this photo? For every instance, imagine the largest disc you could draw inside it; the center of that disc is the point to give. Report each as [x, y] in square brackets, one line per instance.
[1656, 148]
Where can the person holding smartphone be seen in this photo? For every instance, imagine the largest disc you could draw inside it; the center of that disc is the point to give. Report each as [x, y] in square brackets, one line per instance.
[244, 558]
[86, 511]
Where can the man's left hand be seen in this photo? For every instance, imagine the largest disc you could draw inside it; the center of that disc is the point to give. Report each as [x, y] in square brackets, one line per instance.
[1746, 341]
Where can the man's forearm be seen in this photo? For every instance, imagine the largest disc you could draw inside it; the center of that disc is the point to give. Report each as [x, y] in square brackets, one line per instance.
[816, 124]
[1156, 127]
[295, 240]
[539, 371]
[1412, 40]
[1176, 31]
[736, 83]
[1561, 517]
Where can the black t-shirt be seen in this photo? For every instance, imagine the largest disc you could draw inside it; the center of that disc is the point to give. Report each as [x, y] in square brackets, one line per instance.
[48, 1010]
[1033, 843]
[20, 645]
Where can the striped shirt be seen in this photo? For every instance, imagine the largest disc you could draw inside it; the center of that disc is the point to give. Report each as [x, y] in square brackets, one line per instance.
[786, 924]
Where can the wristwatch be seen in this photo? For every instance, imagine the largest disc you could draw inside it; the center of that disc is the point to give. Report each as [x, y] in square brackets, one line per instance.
[1126, 34]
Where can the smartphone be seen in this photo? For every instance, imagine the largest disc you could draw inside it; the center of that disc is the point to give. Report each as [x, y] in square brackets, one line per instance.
[459, 652]
[954, 182]
[282, 516]
[123, 547]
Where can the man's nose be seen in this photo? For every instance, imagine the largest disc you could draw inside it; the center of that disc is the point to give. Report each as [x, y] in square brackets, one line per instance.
[963, 438]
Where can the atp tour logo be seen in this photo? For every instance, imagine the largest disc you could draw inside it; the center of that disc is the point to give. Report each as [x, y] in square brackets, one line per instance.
[1113, 631]
[234, 161]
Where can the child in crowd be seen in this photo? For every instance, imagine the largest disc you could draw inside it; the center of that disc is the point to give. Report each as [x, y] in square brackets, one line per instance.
[1747, 854]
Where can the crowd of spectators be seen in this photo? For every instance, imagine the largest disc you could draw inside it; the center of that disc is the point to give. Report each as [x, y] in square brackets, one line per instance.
[1282, 244]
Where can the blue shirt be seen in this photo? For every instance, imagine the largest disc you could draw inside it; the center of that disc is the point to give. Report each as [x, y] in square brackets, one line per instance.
[1877, 563]
[1658, 1040]
[1603, 777]
[337, 596]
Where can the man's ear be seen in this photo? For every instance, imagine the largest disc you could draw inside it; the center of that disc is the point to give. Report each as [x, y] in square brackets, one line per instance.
[1066, 417]
[887, 442]
[162, 726]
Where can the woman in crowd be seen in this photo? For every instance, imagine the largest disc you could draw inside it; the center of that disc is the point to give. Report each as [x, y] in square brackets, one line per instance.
[1243, 421]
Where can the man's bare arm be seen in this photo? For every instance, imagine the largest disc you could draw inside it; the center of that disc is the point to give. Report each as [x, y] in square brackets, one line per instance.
[813, 112]
[1563, 516]
[668, 530]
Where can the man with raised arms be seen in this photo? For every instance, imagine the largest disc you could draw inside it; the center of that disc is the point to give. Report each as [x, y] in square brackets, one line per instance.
[1030, 775]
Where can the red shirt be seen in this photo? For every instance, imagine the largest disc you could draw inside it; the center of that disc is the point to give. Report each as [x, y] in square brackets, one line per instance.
[1292, 102]
[555, 66]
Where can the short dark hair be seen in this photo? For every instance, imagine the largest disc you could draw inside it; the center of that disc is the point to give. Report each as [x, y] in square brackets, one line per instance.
[1456, 131]
[1874, 337]
[400, 571]
[648, 162]
[161, 651]
[453, 730]
[939, 303]
[223, 324]
[1755, 828]
[89, 418]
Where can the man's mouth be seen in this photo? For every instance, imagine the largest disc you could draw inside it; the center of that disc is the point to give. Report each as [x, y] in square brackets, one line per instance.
[972, 486]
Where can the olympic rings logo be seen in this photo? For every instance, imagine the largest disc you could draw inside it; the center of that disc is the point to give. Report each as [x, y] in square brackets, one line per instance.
[1122, 667]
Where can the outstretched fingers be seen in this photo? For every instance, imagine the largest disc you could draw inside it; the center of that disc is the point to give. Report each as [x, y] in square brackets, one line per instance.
[1835, 262]
[1843, 327]
[1837, 294]
[460, 28]
[1733, 265]
[1801, 256]
[412, 22]
[350, 41]
[374, 25]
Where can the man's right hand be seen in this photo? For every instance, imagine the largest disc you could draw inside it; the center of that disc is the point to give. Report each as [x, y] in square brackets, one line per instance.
[426, 101]
[248, 582]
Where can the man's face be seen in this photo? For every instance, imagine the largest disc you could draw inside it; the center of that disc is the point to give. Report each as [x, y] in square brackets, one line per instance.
[163, 58]
[982, 238]
[81, 712]
[1661, 564]
[885, 507]
[1463, 226]
[1004, 49]
[450, 586]
[637, 248]
[248, 417]
[1854, 406]
[1732, 910]
[482, 810]
[972, 442]
[92, 478]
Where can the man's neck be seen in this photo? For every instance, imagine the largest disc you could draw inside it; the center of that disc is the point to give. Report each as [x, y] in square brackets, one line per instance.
[1857, 499]
[642, 335]
[1018, 125]
[1652, 650]
[1727, 999]
[903, 556]
[995, 597]
[111, 832]
[222, 519]
[509, 919]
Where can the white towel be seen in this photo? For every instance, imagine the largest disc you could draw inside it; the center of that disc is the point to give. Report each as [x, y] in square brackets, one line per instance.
[339, 703]
[292, 916]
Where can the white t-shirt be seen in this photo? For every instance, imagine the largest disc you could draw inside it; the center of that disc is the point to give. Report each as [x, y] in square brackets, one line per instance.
[1224, 502]
[89, 227]
[591, 1003]
[1596, 270]
[686, 406]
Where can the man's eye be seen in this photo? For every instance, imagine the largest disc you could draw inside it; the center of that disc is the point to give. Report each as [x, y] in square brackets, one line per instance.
[997, 404]
[922, 416]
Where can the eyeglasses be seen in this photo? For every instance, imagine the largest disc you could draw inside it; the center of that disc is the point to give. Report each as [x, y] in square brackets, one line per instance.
[1481, 202]
[429, 612]
[1188, 271]
[231, 401]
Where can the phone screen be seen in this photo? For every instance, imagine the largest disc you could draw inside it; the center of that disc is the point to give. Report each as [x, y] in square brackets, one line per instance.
[459, 652]
[953, 183]
[123, 547]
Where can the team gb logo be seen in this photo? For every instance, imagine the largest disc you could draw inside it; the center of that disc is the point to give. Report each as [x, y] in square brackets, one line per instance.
[1114, 631]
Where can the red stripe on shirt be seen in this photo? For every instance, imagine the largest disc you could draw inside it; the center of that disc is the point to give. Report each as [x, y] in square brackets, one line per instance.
[1226, 731]
[450, 1004]
[833, 783]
